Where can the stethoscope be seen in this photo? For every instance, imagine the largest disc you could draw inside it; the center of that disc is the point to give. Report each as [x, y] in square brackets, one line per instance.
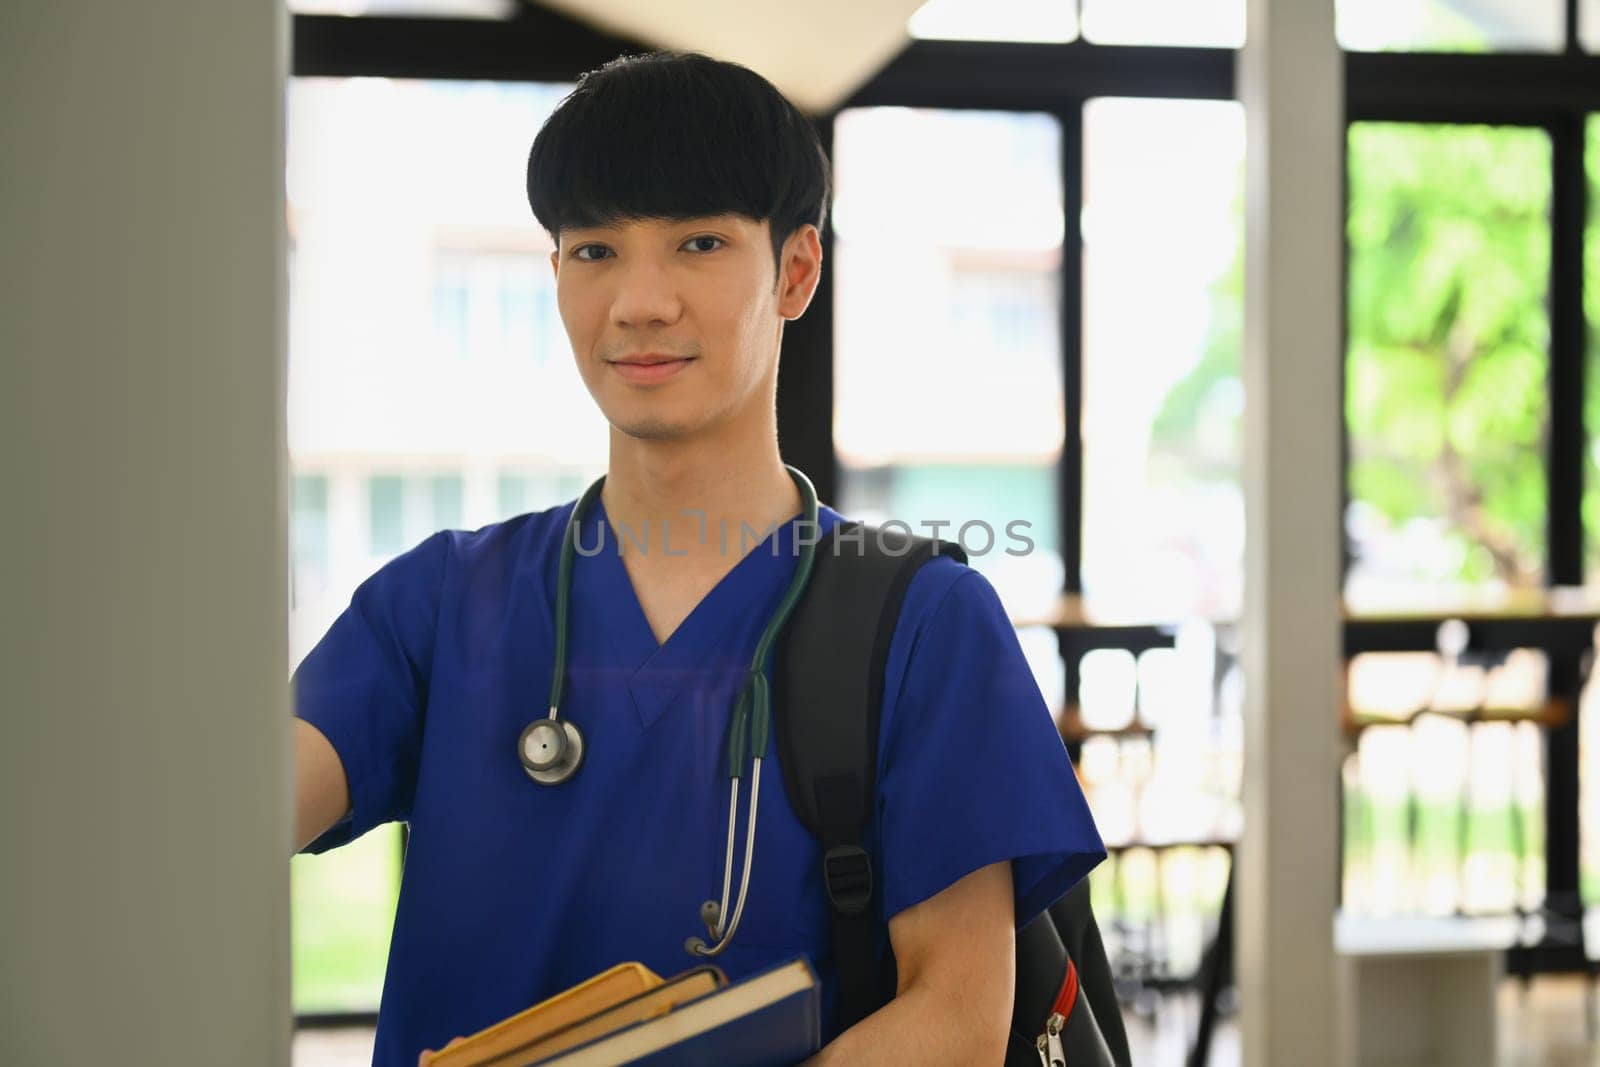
[551, 749]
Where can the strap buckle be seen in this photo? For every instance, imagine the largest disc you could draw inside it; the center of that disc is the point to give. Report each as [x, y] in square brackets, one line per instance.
[847, 870]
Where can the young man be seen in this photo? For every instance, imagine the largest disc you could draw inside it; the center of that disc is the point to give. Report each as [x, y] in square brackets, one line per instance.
[685, 197]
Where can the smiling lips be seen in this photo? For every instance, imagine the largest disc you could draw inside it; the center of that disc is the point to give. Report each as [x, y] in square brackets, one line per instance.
[647, 370]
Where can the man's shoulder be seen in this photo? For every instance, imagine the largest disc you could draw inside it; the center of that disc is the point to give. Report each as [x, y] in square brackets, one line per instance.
[522, 537]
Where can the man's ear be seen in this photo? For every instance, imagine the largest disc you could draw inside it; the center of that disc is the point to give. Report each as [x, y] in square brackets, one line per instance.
[555, 258]
[800, 271]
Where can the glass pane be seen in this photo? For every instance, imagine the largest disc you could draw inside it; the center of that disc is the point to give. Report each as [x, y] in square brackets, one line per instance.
[1452, 25]
[445, 492]
[1589, 792]
[1589, 25]
[996, 20]
[948, 406]
[308, 527]
[1163, 509]
[426, 361]
[452, 309]
[386, 511]
[1446, 403]
[519, 493]
[1166, 788]
[1443, 816]
[1201, 23]
[529, 325]
[425, 340]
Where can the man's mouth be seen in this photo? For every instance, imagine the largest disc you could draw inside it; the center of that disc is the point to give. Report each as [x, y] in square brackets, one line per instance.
[650, 368]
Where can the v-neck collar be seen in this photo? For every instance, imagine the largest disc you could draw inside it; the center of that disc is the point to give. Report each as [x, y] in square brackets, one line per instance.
[657, 672]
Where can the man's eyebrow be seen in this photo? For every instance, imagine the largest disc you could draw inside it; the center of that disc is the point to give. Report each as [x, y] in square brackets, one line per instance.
[724, 218]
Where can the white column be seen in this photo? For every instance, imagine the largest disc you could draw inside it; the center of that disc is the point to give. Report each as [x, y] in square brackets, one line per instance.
[145, 763]
[1291, 83]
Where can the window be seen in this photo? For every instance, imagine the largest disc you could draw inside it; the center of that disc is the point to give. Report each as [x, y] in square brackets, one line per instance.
[517, 493]
[1204, 23]
[405, 195]
[308, 526]
[529, 323]
[403, 510]
[996, 20]
[386, 515]
[948, 244]
[1441, 815]
[1452, 25]
[1448, 349]
[452, 298]
[491, 304]
[444, 491]
[1163, 506]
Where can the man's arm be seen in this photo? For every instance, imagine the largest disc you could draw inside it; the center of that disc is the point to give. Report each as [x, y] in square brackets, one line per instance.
[321, 791]
[955, 954]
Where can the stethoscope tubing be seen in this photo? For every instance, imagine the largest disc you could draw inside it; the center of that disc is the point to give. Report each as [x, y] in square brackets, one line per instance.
[749, 728]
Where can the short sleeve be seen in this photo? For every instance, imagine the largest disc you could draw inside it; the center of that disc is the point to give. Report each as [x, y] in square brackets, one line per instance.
[972, 770]
[365, 685]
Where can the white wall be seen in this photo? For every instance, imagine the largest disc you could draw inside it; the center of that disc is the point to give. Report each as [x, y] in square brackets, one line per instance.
[144, 765]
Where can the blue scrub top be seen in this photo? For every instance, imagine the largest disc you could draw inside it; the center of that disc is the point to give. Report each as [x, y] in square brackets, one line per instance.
[513, 891]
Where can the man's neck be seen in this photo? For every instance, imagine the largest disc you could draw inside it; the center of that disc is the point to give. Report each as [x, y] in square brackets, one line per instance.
[695, 498]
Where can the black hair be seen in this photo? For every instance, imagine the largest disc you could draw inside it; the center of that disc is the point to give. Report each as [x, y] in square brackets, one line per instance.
[676, 135]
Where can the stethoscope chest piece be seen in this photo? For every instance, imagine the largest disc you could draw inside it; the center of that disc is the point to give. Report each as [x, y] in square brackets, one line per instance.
[551, 750]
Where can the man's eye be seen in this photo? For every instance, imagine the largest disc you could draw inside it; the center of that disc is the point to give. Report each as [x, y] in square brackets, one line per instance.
[577, 253]
[705, 237]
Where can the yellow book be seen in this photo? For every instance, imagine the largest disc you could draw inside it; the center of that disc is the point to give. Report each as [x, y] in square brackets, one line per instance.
[667, 997]
[773, 1016]
[605, 990]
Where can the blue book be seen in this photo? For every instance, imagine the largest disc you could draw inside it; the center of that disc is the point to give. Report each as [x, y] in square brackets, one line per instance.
[771, 1019]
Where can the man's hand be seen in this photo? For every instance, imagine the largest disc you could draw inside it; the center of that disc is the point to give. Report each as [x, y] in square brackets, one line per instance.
[427, 1053]
[955, 954]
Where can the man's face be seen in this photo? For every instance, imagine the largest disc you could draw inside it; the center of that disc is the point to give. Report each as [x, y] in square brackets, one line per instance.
[699, 291]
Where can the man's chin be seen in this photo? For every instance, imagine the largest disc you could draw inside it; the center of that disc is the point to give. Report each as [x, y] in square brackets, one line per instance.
[653, 428]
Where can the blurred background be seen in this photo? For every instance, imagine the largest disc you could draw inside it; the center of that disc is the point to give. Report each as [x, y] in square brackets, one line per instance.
[1036, 247]
[1080, 243]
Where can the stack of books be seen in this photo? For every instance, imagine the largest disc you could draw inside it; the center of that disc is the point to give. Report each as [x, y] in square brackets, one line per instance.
[629, 1014]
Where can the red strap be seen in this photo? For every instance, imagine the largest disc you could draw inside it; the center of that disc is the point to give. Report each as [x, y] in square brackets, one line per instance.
[1069, 992]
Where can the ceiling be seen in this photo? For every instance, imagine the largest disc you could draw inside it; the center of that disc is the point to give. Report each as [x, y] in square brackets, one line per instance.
[816, 53]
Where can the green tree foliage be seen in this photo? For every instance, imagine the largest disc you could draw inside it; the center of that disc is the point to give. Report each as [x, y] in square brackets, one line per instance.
[1446, 405]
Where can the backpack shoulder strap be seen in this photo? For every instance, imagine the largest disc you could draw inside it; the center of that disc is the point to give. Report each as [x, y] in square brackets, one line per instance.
[828, 683]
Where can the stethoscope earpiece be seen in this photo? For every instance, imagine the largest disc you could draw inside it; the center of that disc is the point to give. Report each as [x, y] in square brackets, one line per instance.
[711, 915]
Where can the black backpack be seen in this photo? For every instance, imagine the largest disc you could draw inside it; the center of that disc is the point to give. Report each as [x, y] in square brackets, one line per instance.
[830, 663]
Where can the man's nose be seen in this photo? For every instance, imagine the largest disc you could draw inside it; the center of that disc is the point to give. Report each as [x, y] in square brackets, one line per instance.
[647, 294]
